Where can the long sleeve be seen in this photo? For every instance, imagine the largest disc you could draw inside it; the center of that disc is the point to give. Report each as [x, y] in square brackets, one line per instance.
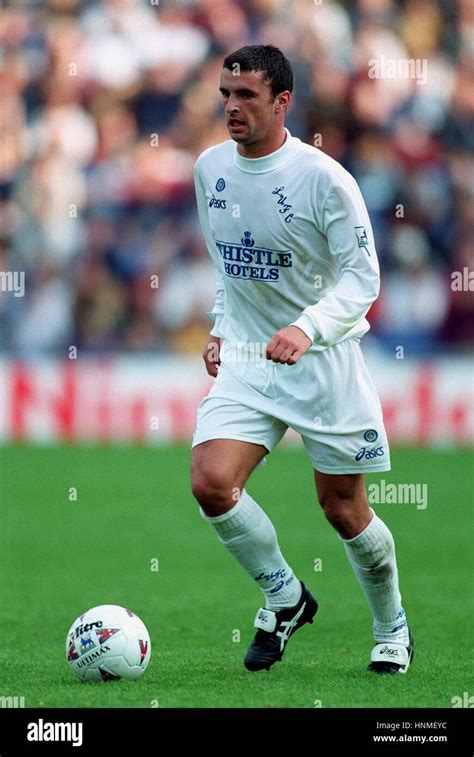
[345, 223]
[217, 312]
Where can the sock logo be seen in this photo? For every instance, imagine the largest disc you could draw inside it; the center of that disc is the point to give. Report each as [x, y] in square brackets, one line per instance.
[276, 588]
[280, 573]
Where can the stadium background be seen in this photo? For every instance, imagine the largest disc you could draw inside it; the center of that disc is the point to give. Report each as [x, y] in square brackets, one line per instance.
[104, 109]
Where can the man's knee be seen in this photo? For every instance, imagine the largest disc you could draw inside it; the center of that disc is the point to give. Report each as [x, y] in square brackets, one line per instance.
[346, 515]
[344, 501]
[337, 511]
[213, 486]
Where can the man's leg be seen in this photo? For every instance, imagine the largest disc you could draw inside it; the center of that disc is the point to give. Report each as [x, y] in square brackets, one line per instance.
[370, 549]
[220, 469]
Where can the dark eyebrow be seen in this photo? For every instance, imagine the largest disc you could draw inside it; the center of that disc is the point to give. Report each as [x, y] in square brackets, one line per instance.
[242, 91]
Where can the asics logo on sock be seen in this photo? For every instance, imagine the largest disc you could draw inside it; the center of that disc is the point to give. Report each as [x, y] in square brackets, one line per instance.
[277, 588]
[281, 584]
[280, 573]
[398, 628]
[369, 454]
[389, 651]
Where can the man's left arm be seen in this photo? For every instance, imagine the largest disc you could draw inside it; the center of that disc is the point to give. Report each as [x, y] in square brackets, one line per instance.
[346, 225]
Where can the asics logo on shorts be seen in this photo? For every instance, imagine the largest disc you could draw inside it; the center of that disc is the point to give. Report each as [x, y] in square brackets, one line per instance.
[369, 454]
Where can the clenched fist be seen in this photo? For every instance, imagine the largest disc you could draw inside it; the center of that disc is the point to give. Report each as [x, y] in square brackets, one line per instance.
[288, 345]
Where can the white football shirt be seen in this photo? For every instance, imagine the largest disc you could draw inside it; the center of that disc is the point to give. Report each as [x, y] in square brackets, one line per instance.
[291, 239]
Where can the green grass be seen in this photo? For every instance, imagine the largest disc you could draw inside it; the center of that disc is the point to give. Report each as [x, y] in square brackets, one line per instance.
[61, 557]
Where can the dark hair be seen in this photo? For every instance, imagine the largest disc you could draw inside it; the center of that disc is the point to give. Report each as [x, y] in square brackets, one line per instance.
[266, 58]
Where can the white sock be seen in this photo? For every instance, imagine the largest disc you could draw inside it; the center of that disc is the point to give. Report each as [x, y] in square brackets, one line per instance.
[372, 556]
[249, 535]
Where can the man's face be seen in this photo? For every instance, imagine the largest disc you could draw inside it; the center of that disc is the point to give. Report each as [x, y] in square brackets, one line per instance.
[251, 112]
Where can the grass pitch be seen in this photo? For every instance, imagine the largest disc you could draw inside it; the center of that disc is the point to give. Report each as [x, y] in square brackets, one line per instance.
[62, 556]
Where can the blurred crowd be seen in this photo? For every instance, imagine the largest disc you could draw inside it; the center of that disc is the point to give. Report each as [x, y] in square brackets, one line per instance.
[105, 106]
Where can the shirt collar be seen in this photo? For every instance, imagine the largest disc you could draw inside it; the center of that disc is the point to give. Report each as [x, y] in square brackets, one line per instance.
[267, 162]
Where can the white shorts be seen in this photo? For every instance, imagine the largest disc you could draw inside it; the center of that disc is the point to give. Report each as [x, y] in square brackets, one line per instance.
[328, 397]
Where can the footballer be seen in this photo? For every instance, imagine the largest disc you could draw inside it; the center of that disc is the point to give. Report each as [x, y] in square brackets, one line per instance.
[297, 271]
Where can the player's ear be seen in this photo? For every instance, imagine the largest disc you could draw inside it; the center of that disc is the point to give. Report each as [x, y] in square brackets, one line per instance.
[283, 101]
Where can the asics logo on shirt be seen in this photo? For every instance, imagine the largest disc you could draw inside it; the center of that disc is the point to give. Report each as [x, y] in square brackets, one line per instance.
[214, 202]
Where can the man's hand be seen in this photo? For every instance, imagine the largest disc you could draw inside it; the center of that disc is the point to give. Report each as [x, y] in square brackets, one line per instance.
[211, 355]
[288, 345]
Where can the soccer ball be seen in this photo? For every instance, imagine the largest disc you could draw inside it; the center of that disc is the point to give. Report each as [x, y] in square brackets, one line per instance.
[108, 643]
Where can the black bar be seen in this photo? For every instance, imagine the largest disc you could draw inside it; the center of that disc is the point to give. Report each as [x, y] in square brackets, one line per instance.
[166, 731]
